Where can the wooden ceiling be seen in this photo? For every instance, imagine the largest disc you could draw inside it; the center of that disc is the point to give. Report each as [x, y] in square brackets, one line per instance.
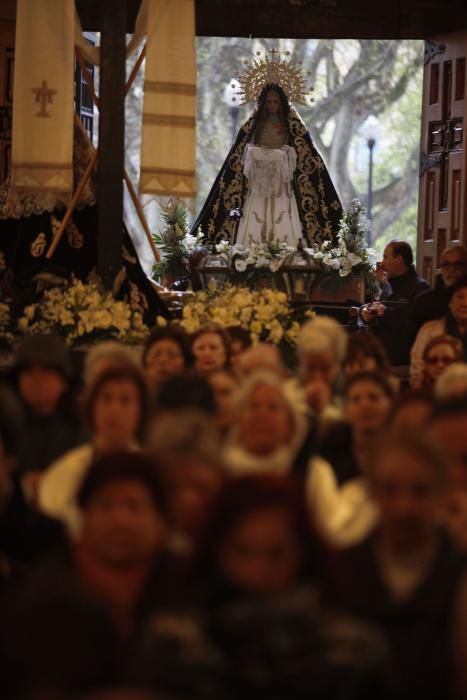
[306, 19]
[386, 19]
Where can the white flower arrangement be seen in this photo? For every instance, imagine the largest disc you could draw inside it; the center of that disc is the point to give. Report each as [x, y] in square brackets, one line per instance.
[351, 254]
[258, 257]
[82, 313]
[265, 313]
[6, 337]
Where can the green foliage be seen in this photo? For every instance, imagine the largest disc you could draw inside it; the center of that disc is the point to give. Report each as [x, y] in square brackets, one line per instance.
[172, 241]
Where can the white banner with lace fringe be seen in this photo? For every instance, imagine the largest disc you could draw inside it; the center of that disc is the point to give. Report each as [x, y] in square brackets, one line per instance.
[43, 96]
[168, 149]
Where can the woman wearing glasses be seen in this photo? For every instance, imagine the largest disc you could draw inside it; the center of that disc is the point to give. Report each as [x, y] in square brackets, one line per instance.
[439, 353]
[453, 324]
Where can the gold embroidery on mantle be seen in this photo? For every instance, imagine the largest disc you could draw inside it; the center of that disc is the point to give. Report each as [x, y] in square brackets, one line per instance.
[138, 301]
[38, 245]
[75, 237]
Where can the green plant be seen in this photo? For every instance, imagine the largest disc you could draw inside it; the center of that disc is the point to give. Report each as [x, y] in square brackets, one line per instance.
[174, 241]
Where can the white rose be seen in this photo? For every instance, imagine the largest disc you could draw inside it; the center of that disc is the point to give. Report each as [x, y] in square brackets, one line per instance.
[353, 259]
[240, 265]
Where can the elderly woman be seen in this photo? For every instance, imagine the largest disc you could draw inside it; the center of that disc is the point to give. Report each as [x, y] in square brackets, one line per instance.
[321, 349]
[453, 324]
[268, 428]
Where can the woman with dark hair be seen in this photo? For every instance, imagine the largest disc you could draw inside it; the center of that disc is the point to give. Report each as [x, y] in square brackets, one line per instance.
[259, 630]
[365, 352]
[116, 409]
[257, 541]
[273, 183]
[337, 483]
[167, 352]
[210, 346]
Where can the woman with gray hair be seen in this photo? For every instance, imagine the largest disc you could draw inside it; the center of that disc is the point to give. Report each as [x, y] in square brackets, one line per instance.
[321, 347]
[268, 427]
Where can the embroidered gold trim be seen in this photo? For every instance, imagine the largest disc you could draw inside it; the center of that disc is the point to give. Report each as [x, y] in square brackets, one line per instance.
[38, 245]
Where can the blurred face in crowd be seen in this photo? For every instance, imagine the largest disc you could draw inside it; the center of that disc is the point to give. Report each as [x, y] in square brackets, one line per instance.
[164, 359]
[223, 384]
[121, 524]
[367, 405]
[321, 366]
[453, 266]
[451, 433]
[191, 489]
[458, 305]
[360, 363]
[265, 422]
[41, 388]
[237, 347]
[261, 553]
[210, 353]
[437, 359]
[261, 356]
[411, 414]
[408, 497]
[117, 413]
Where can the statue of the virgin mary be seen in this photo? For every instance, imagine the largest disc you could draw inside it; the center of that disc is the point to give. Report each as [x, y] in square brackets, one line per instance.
[273, 184]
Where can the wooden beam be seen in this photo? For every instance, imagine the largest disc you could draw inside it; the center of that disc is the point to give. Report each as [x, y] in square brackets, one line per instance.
[332, 19]
[111, 139]
[89, 14]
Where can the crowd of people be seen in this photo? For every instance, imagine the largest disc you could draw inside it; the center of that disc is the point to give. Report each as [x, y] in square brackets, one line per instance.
[203, 522]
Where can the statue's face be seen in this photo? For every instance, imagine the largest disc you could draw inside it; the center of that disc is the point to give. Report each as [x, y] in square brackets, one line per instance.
[273, 103]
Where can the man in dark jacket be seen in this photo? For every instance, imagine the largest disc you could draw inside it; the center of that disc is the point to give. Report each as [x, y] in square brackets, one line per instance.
[433, 303]
[390, 318]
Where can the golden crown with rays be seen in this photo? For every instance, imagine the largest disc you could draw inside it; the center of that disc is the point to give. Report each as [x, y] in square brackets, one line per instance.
[272, 70]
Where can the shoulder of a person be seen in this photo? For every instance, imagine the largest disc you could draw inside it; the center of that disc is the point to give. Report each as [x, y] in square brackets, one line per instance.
[76, 456]
[434, 326]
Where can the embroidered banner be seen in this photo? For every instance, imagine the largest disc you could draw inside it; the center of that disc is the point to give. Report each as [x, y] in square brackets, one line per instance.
[168, 150]
[43, 96]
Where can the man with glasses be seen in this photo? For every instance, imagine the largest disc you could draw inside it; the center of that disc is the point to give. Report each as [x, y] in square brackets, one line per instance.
[433, 303]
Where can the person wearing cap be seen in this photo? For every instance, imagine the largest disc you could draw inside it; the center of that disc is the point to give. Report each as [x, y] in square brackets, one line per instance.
[43, 378]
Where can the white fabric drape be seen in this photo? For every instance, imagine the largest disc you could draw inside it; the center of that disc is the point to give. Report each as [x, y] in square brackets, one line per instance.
[168, 150]
[43, 96]
[270, 211]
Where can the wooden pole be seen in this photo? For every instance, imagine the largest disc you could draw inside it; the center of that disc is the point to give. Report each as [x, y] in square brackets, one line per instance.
[111, 139]
[87, 77]
[140, 212]
[135, 70]
[69, 211]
